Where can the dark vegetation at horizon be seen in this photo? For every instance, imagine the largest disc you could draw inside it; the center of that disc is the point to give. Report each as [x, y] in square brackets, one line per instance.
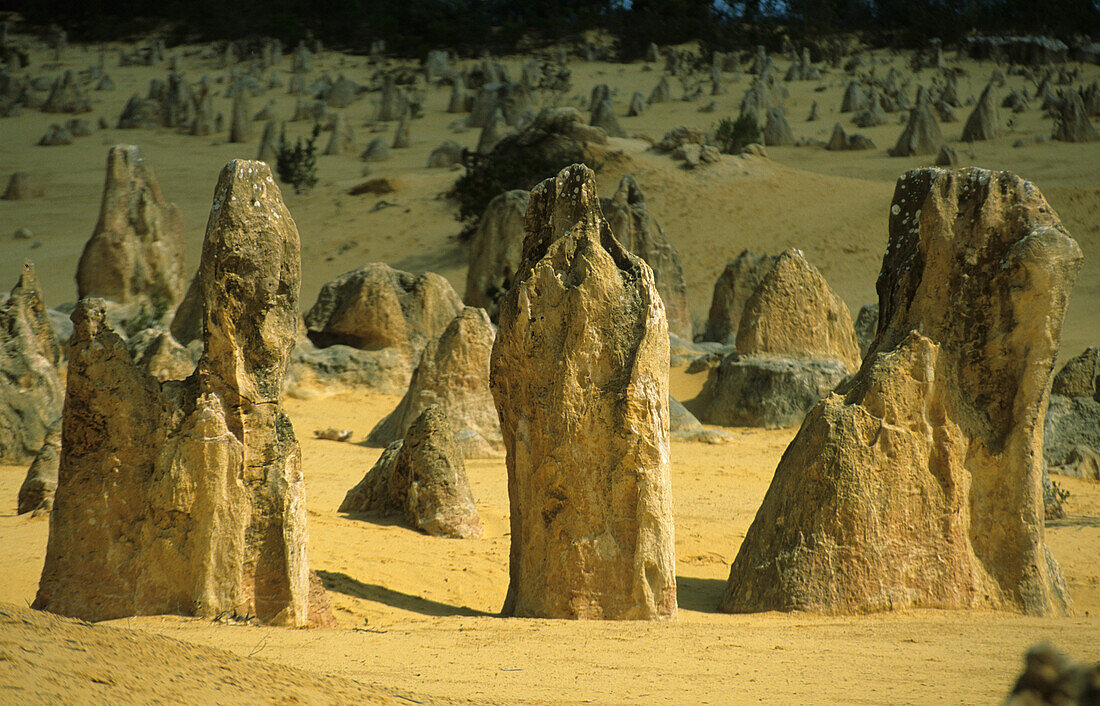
[412, 27]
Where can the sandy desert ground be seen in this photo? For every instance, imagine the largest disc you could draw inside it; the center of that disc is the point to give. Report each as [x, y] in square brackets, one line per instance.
[416, 613]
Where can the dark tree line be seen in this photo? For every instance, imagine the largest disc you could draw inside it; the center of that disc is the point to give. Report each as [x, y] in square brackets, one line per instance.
[411, 27]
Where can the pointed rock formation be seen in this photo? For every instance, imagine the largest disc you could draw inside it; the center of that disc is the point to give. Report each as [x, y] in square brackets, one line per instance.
[637, 105]
[268, 142]
[983, 123]
[777, 132]
[918, 483]
[453, 374]
[401, 134]
[21, 186]
[1072, 123]
[188, 497]
[603, 116]
[36, 492]
[135, 254]
[661, 93]
[342, 138]
[841, 140]
[732, 291]
[423, 478]
[640, 233]
[921, 135]
[579, 373]
[495, 250]
[240, 126]
[795, 313]
[31, 388]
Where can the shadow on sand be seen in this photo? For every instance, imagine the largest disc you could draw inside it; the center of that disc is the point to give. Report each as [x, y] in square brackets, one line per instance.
[342, 583]
[700, 595]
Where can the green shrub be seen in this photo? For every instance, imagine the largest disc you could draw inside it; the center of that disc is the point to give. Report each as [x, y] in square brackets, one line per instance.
[733, 136]
[297, 165]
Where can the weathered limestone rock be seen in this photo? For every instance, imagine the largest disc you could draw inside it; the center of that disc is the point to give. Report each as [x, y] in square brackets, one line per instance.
[921, 134]
[640, 233]
[777, 131]
[31, 389]
[1071, 432]
[401, 133]
[21, 186]
[495, 250]
[795, 313]
[453, 374]
[1072, 123]
[269, 140]
[160, 355]
[314, 372]
[342, 140]
[637, 105]
[840, 140]
[603, 116]
[661, 93]
[376, 307]
[579, 373]
[423, 478]
[918, 483]
[66, 96]
[36, 492]
[56, 136]
[1051, 678]
[460, 101]
[866, 326]
[376, 151]
[240, 125]
[135, 254]
[446, 155]
[187, 497]
[732, 290]
[947, 156]
[854, 100]
[983, 123]
[393, 103]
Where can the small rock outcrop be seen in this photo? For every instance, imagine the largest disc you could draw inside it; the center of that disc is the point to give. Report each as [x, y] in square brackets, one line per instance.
[1071, 432]
[187, 497]
[579, 373]
[735, 285]
[21, 186]
[31, 388]
[918, 482]
[423, 478]
[36, 492]
[777, 132]
[921, 134]
[640, 233]
[135, 254]
[841, 141]
[495, 250]
[1072, 122]
[453, 375]
[1051, 678]
[983, 123]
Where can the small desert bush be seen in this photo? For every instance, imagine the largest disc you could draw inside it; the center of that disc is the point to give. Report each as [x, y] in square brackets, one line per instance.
[297, 164]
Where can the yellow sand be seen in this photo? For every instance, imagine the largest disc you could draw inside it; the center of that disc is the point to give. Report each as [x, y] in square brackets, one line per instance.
[417, 613]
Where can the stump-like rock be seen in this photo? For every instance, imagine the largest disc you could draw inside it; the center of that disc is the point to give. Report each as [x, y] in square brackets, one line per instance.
[135, 254]
[640, 233]
[31, 388]
[735, 285]
[495, 250]
[423, 478]
[918, 483]
[187, 497]
[453, 374]
[579, 373]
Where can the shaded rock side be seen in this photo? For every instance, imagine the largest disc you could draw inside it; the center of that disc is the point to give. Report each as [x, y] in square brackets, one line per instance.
[495, 250]
[918, 483]
[187, 497]
[732, 290]
[640, 233]
[31, 388]
[421, 477]
[1071, 432]
[135, 253]
[579, 373]
[453, 374]
[795, 313]
[36, 491]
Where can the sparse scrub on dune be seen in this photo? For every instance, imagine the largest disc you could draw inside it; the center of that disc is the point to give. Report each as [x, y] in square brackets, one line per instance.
[733, 136]
[297, 164]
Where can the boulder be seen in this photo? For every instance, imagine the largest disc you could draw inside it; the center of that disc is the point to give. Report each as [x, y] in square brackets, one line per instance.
[376, 307]
[31, 388]
[735, 285]
[446, 155]
[795, 313]
[983, 123]
[36, 492]
[135, 254]
[495, 250]
[917, 483]
[423, 478]
[187, 497]
[453, 375]
[640, 233]
[683, 426]
[579, 373]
